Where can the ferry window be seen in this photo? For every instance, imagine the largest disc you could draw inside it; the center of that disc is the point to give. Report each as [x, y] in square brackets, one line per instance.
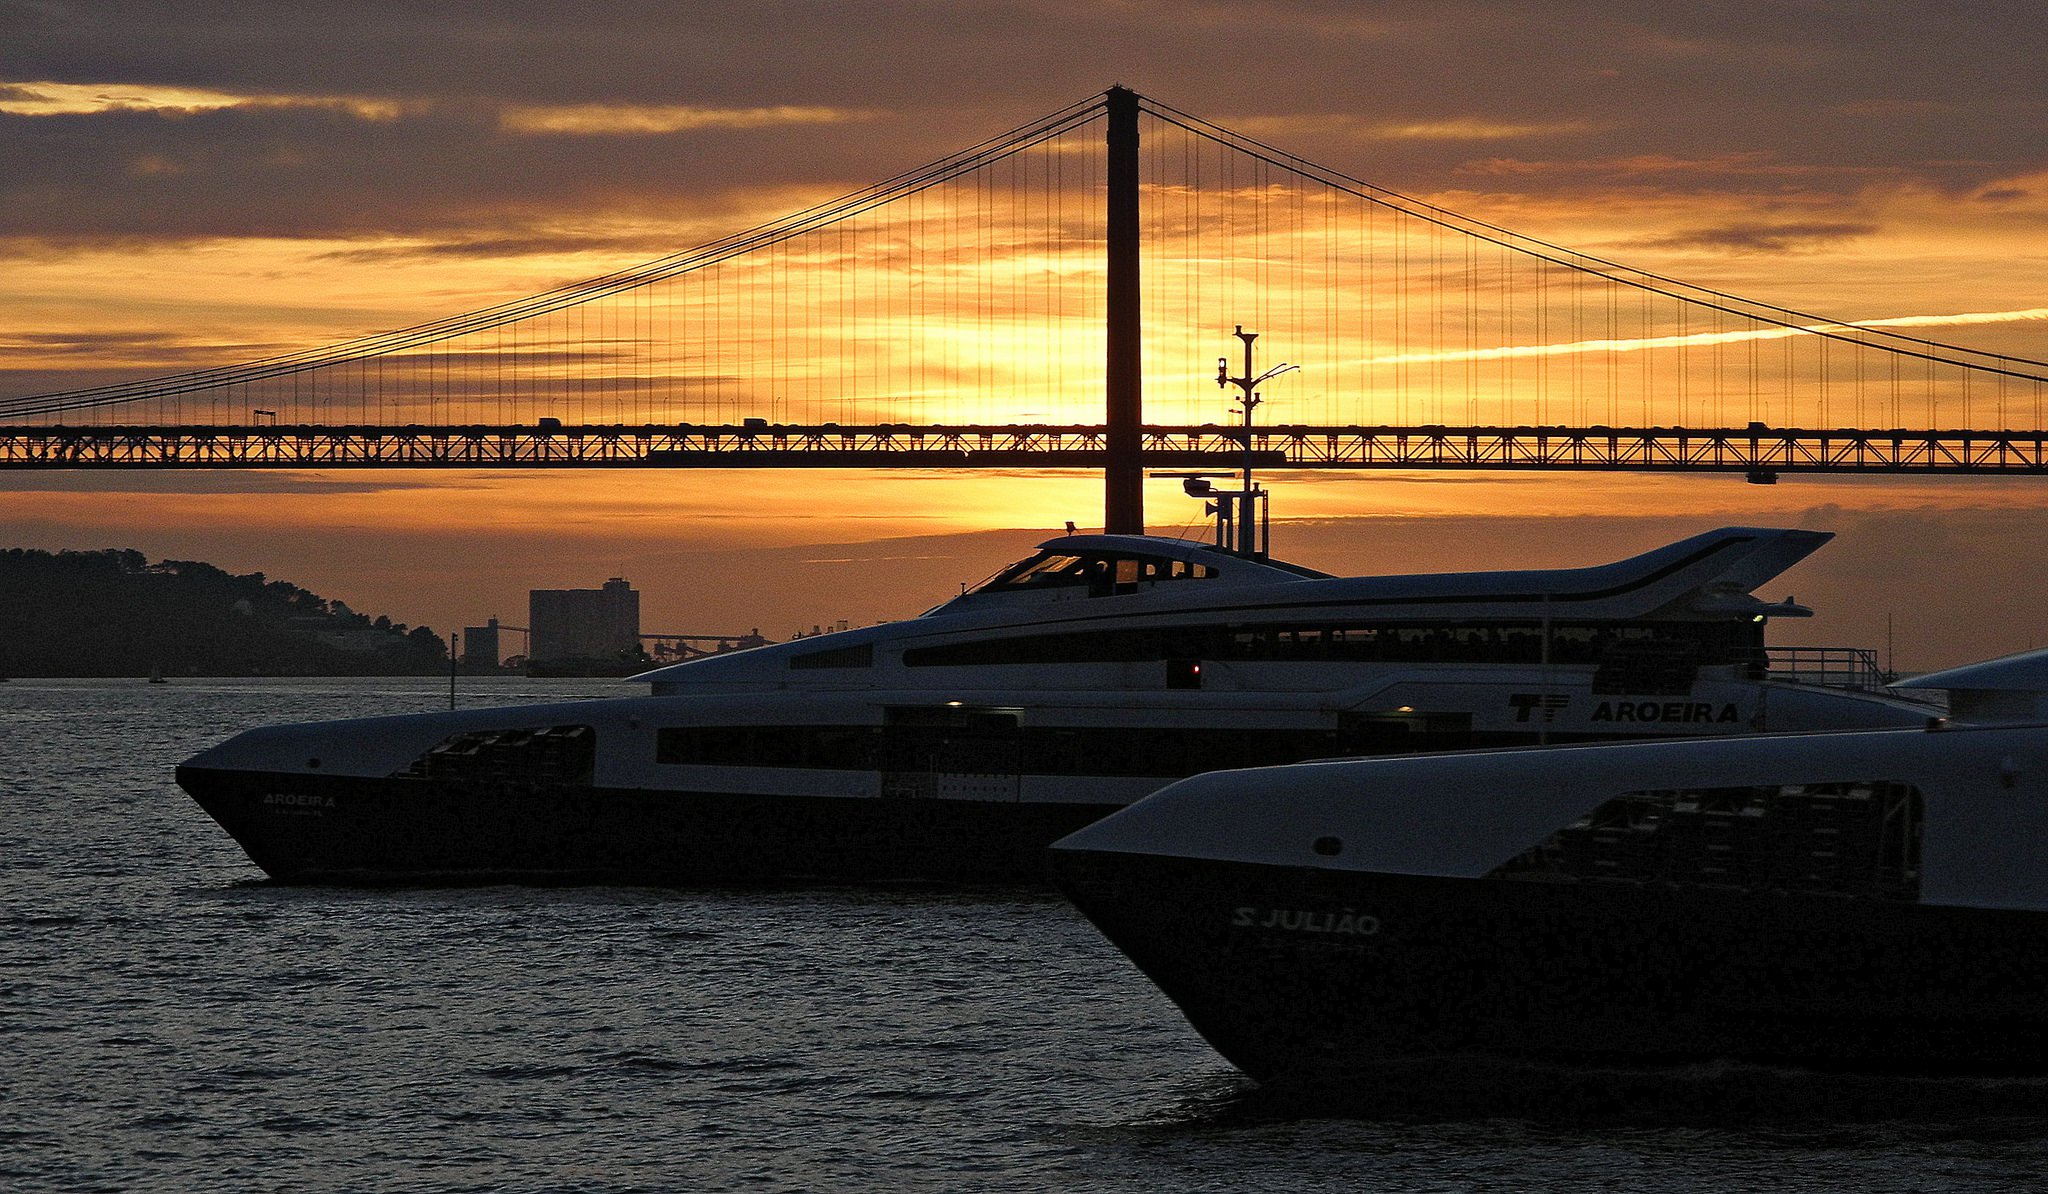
[1043, 572]
[1683, 645]
[990, 741]
[846, 748]
[1103, 573]
[1109, 575]
[1140, 569]
[546, 755]
[1860, 837]
[862, 655]
[957, 717]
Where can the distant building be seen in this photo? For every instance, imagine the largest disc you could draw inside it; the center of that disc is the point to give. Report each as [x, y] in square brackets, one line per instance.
[480, 646]
[570, 624]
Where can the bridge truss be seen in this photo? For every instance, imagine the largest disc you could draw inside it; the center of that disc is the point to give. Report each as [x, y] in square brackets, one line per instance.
[1761, 453]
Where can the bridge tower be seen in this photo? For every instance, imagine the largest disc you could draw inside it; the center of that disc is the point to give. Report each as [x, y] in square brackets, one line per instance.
[1123, 506]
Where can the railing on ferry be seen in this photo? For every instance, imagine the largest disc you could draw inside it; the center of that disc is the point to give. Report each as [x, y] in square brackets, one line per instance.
[1828, 667]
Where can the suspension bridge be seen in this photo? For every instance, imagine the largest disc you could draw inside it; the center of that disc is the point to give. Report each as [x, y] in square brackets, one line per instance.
[1048, 298]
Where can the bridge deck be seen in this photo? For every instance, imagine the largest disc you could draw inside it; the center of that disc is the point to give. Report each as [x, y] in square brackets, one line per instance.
[1757, 450]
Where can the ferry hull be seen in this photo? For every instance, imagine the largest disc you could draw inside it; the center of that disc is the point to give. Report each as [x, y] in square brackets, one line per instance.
[1314, 976]
[355, 831]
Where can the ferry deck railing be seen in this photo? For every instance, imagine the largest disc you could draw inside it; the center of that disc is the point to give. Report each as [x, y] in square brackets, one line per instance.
[1828, 667]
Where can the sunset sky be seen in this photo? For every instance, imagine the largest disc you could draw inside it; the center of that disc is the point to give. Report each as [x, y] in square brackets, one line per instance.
[191, 185]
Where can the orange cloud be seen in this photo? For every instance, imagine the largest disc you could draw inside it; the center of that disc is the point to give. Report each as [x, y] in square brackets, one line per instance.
[1463, 128]
[652, 120]
[64, 99]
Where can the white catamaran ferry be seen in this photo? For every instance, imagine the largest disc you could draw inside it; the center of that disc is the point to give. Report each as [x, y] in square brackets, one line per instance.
[1871, 901]
[957, 745]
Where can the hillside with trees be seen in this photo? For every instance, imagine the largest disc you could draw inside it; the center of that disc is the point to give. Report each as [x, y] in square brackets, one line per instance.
[113, 613]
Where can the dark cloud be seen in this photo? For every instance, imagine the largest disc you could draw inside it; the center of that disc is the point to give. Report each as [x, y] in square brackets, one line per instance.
[310, 171]
[1843, 94]
[488, 246]
[1763, 238]
[82, 359]
[92, 344]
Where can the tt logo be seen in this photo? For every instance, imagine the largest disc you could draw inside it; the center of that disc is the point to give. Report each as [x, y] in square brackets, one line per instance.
[1526, 703]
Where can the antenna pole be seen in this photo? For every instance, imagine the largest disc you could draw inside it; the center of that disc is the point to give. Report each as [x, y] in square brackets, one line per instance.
[1250, 401]
[1252, 527]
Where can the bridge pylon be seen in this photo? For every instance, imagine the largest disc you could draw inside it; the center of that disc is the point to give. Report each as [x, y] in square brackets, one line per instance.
[1123, 504]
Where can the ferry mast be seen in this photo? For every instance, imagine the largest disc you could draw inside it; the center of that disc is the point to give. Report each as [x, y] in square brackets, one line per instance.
[1246, 510]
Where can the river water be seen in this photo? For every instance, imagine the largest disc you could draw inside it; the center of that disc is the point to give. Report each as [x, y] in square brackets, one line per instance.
[169, 1020]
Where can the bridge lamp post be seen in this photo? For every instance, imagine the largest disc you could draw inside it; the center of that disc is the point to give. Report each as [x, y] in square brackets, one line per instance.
[1248, 539]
